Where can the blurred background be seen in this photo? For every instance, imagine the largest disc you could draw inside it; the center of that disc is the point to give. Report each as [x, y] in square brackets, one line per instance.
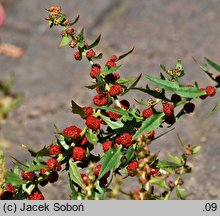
[48, 77]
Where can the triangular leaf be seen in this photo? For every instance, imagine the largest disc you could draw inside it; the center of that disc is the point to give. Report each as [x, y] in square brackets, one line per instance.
[110, 70]
[111, 159]
[112, 124]
[76, 109]
[75, 174]
[180, 192]
[65, 41]
[95, 43]
[150, 124]
[124, 55]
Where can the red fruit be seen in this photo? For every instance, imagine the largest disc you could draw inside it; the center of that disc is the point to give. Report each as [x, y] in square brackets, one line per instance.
[147, 113]
[36, 195]
[93, 123]
[53, 164]
[77, 56]
[203, 96]
[72, 131]
[110, 63]
[97, 171]
[95, 71]
[116, 76]
[87, 111]
[78, 153]
[114, 58]
[106, 145]
[10, 188]
[189, 107]
[29, 176]
[153, 171]
[115, 90]
[100, 100]
[151, 134]
[70, 31]
[168, 109]
[90, 54]
[113, 115]
[131, 168]
[55, 149]
[125, 104]
[210, 90]
[85, 179]
[124, 139]
[43, 171]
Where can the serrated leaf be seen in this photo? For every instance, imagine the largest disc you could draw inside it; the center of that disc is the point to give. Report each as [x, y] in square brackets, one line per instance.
[112, 124]
[107, 71]
[12, 178]
[76, 109]
[213, 64]
[111, 159]
[163, 164]
[65, 41]
[92, 138]
[189, 92]
[124, 55]
[175, 159]
[118, 111]
[152, 93]
[160, 181]
[95, 43]
[180, 192]
[150, 124]
[75, 174]
[35, 167]
[42, 152]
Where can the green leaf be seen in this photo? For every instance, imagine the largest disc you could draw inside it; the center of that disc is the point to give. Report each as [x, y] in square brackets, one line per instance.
[163, 164]
[129, 156]
[63, 142]
[36, 167]
[150, 124]
[160, 181]
[65, 41]
[75, 174]
[13, 178]
[81, 35]
[74, 193]
[124, 55]
[76, 109]
[42, 152]
[196, 149]
[118, 111]
[213, 64]
[163, 67]
[92, 86]
[133, 84]
[92, 138]
[179, 64]
[107, 70]
[50, 22]
[180, 192]
[111, 159]
[75, 21]
[112, 124]
[152, 93]
[189, 92]
[95, 43]
[175, 159]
